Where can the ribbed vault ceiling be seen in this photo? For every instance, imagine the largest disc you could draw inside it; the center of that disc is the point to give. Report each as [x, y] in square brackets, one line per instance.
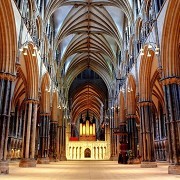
[89, 35]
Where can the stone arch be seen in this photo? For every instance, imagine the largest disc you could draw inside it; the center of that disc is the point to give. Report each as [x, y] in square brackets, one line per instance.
[8, 44]
[145, 75]
[32, 69]
[45, 93]
[87, 153]
[170, 45]
[131, 96]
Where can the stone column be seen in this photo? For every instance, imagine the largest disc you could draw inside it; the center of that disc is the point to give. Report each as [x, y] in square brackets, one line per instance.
[148, 159]
[43, 153]
[5, 101]
[132, 138]
[53, 141]
[29, 134]
[58, 142]
[172, 100]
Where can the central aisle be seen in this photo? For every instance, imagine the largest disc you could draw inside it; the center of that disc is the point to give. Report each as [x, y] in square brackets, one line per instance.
[87, 170]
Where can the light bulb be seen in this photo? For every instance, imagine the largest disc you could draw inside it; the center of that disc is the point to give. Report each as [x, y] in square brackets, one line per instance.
[149, 46]
[25, 53]
[21, 49]
[156, 49]
[35, 48]
[129, 90]
[142, 54]
[156, 52]
[141, 50]
[34, 54]
[149, 55]
[26, 46]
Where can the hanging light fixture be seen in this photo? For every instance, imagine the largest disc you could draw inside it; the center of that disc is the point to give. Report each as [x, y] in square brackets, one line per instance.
[21, 49]
[25, 52]
[26, 46]
[59, 107]
[142, 51]
[149, 46]
[34, 54]
[149, 54]
[156, 50]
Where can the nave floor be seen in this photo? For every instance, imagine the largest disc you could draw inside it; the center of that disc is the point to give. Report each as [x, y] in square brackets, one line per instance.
[86, 170]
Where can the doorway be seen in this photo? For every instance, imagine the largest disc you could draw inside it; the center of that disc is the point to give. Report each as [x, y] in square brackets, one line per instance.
[87, 153]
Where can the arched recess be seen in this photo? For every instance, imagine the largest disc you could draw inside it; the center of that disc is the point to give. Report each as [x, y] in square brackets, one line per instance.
[8, 42]
[45, 94]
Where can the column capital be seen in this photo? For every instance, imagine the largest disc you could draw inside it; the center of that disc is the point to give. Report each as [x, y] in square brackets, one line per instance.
[170, 80]
[45, 114]
[7, 76]
[54, 122]
[33, 101]
[145, 103]
[131, 116]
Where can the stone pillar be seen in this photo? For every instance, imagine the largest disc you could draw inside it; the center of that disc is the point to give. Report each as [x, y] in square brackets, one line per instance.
[5, 101]
[123, 137]
[29, 134]
[58, 142]
[53, 141]
[43, 153]
[172, 100]
[132, 138]
[148, 159]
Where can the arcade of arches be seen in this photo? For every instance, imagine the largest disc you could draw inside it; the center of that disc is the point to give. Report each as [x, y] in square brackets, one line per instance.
[90, 80]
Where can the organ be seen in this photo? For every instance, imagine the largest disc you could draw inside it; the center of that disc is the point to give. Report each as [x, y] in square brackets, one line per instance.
[87, 129]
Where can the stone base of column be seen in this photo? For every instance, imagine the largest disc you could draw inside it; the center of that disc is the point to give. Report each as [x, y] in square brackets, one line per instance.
[43, 160]
[4, 167]
[145, 164]
[174, 169]
[114, 158]
[134, 161]
[53, 159]
[25, 163]
[63, 157]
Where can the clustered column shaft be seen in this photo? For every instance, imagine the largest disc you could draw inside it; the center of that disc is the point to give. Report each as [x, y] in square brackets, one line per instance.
[29, 135]
[43, 153]
[5, 101]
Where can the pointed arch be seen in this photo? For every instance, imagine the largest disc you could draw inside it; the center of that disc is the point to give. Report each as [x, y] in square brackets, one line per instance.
[145, 75]
[170, 45]
[32, 69]
[45, 93]
[131, 96]
[8, 41]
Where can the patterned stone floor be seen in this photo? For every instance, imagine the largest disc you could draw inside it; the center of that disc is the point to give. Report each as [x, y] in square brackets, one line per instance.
[86, 170]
